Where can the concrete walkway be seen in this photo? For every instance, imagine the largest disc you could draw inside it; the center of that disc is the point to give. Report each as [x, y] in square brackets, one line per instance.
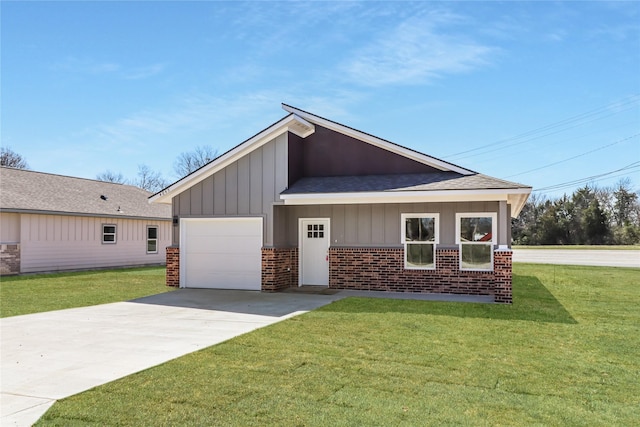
[49, 356]
[597, 257]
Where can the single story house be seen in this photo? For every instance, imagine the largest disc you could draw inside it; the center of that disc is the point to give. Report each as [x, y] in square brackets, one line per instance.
[308, 201]
[52, 223]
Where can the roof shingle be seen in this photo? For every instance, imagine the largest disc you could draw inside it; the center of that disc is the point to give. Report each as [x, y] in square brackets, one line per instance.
[24, 190]
[436, 181]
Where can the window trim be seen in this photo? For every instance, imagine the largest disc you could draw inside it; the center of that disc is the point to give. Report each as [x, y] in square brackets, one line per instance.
[114, 234]
[492, 244]
[434, 243]
[148, 239]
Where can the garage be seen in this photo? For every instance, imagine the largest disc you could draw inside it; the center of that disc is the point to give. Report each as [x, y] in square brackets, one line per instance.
[221, 253]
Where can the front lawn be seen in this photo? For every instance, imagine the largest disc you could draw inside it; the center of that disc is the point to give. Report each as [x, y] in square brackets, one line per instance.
[566, 353]
[45, 292]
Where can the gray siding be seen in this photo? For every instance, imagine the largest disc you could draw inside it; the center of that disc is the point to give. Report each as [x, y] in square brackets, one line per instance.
[248, 187]
[378, 225]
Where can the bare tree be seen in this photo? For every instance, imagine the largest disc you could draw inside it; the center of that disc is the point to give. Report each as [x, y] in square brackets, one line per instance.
[149, 180]
[189, 161]
[109, 176]
[10, 158]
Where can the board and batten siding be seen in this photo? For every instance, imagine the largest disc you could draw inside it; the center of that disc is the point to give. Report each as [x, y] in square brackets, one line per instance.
[9, 228]
[378, 225]
[60, 242]
[247, 187]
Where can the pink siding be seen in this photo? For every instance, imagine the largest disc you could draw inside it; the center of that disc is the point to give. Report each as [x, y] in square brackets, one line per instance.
[56, 242]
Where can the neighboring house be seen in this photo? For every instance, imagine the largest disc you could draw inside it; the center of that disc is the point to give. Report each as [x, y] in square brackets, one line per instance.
[53, 222]
[309, 201]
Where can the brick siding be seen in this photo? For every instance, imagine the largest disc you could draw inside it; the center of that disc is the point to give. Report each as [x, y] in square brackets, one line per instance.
[503, 269]
[279, 268]
[382, 269]
[173, 266]
[9, 258]
[379, 269]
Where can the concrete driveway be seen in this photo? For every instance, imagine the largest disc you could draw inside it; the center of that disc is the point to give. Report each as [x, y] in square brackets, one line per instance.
[597, 257]
[49, 356]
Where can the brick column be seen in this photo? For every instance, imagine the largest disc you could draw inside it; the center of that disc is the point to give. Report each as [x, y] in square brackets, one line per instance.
[279, 268]
[503, 272]
[173, 266]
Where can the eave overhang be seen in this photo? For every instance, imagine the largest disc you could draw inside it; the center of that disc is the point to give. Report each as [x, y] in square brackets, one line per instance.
[84, 214]
[514, 197]
[292, 123]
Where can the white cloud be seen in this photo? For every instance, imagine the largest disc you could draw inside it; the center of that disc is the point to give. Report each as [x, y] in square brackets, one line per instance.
[88, 66]
[193, 113]
[417, 51]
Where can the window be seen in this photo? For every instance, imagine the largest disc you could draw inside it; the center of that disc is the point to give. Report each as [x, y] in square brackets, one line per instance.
[315, 231]
[108, 233]
[420, 236]
[476, 235]
[152, 239]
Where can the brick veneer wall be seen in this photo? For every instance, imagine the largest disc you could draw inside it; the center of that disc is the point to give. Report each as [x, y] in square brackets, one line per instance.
[279, 268]
[173, 266]
[382, 269]
[9, 258]
[503, 270]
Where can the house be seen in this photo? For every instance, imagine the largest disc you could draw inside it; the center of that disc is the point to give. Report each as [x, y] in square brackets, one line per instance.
[52, 223]
[308, 201]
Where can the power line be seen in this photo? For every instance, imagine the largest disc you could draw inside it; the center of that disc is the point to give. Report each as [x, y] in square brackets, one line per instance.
[574, 157]
[552, 128]
[593, 178]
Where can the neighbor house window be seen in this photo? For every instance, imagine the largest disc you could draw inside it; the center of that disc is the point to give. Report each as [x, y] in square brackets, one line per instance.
[476, 236]
[152, 239]
[108, 233]
[420, 236]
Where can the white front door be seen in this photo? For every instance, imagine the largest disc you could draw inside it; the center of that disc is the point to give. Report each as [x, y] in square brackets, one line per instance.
[314, 251]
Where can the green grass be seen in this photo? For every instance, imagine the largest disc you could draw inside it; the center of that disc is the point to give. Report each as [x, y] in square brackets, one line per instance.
[565, 353]
[583, 247]
[45, 292]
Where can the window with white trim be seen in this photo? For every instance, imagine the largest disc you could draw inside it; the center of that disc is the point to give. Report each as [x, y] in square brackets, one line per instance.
[420, 235]
[152, 239]
[109, 233]
[476, 236]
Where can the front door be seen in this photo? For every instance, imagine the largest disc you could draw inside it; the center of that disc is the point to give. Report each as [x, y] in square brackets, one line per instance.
[314, 248]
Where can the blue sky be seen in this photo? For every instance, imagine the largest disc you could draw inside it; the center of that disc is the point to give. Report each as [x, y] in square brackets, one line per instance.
[541, 93]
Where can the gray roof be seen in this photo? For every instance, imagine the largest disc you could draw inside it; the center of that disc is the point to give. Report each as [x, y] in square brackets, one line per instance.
[23, 190]
[436, 181]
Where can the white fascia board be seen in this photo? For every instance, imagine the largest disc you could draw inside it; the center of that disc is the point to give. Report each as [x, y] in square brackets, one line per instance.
[489, 195]
[517, 201]
[292, 123]
[380, 143]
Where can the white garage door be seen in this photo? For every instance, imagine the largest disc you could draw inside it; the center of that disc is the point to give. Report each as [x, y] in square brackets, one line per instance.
[221, 253]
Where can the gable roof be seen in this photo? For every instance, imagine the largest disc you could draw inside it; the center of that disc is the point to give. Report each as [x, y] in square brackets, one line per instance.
[38, 192]
[452, 183]
[301, 123]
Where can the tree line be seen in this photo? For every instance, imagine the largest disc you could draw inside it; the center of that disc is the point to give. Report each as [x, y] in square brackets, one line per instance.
[153, 181]
[590, 216]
